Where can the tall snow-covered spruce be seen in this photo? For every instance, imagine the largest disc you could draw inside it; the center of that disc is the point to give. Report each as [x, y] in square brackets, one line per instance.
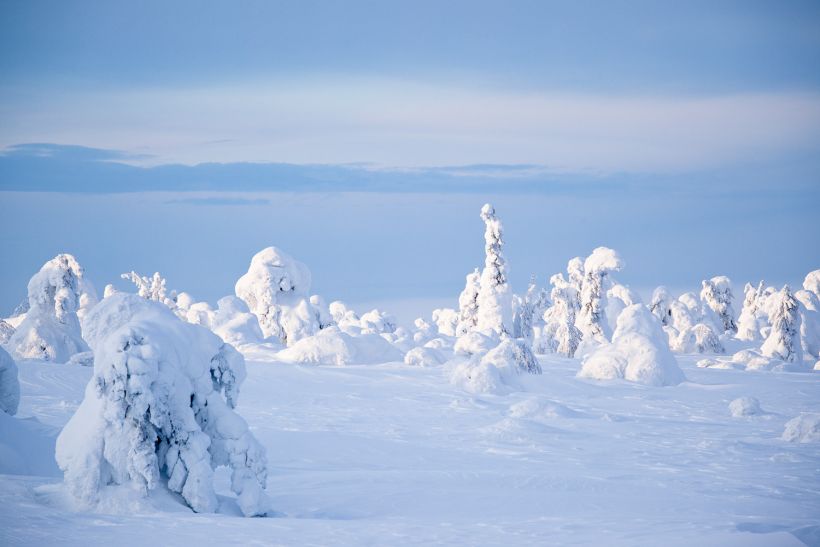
[784, 338]
[51, 329]
[717, 294]
[468, 303]
[159, 410]
[494, 298]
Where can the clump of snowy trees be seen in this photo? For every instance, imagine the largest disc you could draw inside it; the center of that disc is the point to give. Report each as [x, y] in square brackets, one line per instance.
[159, 410]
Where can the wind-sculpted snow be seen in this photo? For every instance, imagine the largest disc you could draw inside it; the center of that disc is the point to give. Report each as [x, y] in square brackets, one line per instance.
[638, 352]
[158, 411]
[51, 328]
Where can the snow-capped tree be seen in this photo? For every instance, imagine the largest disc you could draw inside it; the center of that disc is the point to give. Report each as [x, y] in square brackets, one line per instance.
[494, 297]
[660, 306]
[809, 322]
[575, 277]
[377, 322]
[468, 304]
[783, 341]
[51, 328]
[717, 294]
[152, 288]
[109, 290]
[322, 311]
[423, 333]
[159, 409]
[592, 320]
[9, 384]
[276, 290]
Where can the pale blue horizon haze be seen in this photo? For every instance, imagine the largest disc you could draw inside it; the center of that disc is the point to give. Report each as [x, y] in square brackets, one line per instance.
[363, 137]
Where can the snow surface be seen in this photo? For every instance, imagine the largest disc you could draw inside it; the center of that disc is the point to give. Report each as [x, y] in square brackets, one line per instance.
[396, 454]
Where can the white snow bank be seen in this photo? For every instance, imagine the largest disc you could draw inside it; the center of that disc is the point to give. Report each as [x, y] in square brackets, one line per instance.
[235, 324]
[159, 411]
[51, 328]
[802, 429]
[750, 359]
[497, 370]
[424, 357]
[331, 346]
[638, 352]
[9, 384]
[745, 406]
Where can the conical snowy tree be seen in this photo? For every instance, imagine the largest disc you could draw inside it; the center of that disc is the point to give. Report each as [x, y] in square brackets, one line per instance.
[575, 276]
[468, 304]
[494, 298]
[592, 320]
[717, 294]
[784, 338]
[748, 324]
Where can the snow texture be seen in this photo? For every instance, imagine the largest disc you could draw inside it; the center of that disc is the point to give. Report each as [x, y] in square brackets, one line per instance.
[638, 352]
[158, 411]
[51, 328]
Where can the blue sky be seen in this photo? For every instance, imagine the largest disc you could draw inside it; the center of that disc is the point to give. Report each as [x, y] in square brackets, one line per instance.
[701, 118]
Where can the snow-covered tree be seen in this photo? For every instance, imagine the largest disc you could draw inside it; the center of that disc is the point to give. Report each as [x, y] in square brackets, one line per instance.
[446, 320]
[812, 282]
[159, 410]
[592, 320]
[51, 329]
[6, 331]
[494, 297]
[660, 306]
[717, 294]
[109, 290]
[468, 304]
[562, 336]
[809, 322]
[233, 322]
[276, 290]
[783, 341]
[750, 321]
[377, 322]
[9, 384]
[527, 310]
[575, 276]
[152, 288]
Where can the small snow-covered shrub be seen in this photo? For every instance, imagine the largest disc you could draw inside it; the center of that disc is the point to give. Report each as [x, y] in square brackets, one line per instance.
[159, 410]
[802, 429]
[377, 322]
[745, 406]
[424, 357]
[51, 328]
[660, 306]
[513, 350]
[638, 352]
[9, 384]
[446, 320]
[331, 346]
[152, 288]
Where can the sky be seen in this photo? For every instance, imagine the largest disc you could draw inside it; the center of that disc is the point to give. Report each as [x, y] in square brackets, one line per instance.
[659, 110]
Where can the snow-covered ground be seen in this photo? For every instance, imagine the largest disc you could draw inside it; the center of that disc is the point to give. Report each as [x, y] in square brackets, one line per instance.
[394, 455]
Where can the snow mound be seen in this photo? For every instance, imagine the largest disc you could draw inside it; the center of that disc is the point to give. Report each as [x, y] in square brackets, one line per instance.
[158, 411]
[51, 328]
[745, 406]
[474, 343]
[750, 359]
[27, 447]
[331, 346]
[9, 384]
[802, 429]
[424, 357]
[235, 324]
[539, 410]
[638, 352]
[496, 371]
